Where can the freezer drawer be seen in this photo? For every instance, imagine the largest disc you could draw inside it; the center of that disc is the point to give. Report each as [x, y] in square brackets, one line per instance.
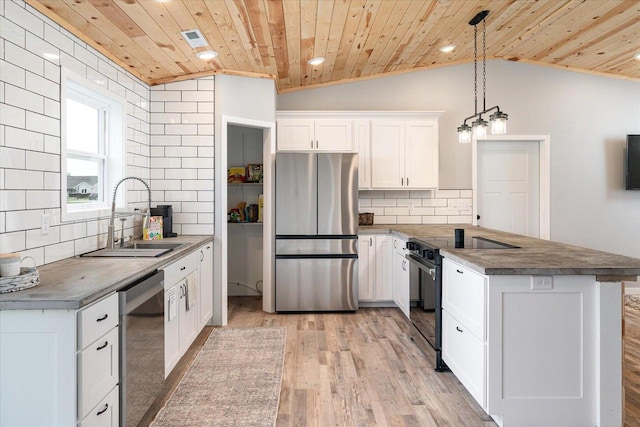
[316, 284]
[316, 246]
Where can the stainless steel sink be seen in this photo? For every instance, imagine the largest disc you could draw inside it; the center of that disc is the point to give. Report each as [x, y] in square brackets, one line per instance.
[136, 250]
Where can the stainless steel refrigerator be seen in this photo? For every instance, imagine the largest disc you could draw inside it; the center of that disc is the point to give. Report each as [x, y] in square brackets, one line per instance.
[316, 232]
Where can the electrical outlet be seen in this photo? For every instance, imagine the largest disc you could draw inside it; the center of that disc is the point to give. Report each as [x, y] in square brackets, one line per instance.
[541, 282]
[44, 229]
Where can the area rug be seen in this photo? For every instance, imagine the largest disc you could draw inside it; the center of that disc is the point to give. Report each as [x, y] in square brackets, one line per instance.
[234, 381]
[632, 302]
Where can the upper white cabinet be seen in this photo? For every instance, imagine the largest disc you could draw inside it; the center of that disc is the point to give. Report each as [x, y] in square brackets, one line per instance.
[404, 154]
[314, 134]
[362, 143]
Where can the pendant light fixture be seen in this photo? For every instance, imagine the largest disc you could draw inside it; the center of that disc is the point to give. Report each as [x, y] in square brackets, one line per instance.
[498, 119]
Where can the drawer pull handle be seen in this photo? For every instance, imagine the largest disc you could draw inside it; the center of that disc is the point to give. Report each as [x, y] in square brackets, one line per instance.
[102, 318]
[182, 268]
[458, 329]
[106, 343]
[106, 406]
[461, 272]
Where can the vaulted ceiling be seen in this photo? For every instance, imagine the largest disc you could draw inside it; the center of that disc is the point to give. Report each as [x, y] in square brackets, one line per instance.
[359, 38]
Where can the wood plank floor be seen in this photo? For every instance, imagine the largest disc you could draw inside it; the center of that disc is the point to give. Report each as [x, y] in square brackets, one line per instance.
[362, 370]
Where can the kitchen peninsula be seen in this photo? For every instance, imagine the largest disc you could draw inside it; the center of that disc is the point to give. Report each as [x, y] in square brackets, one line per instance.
[534, 332]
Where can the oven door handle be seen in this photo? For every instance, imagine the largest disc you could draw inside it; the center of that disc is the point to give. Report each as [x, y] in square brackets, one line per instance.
[429, 269]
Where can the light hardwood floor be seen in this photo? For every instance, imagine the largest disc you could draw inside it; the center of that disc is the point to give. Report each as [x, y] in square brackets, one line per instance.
[361, 369]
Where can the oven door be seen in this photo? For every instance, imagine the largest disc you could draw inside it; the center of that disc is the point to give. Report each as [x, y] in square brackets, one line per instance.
[423, 297]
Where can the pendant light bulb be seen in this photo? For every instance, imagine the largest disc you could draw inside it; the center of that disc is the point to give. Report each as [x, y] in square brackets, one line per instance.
[479, 128]
[464, 134]
[498, 123]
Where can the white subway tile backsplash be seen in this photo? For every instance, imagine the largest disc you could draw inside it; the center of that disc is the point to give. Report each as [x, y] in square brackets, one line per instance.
[58, 39]
[371, 194]
[70, 62]
[197, 96]
[206, 130]
[165, 162]
[205, 163]
[24, 99]
[25, 19]
[409, 219]
[197, 207]
[204, 229]
[12, 116]
[43, 49]
[23, 58]
[185, 218]
[434, 202]
[43, 161]
[180, 107]
[396, 211]
[23, 220]
[206, 174]
[52, 72]
[167, 184]
[43, 86]
[51, 108]
[36, 253]
[181, 196]
[206, 195]
[58, 252]
[446, 211]
[383, 202]
[447, 194]
[42, 124]
[422, 211]
[466, 193]
[73, 231]
[197, 184]
[206, 83]
[35, 238]
[12, 32]
[42, 199]
[13, 242]
[205, 218]
[205, 140]
[51, 144]
[183, 85]
[12, 158]
[165, 96]
[436, 219]
[171, 129]
[51, 181]
[88, 244]
[198, 118]
[165, 118]
[12, 74]
[181, 151]
[12, 200]
[181, 174]
[206, 107]
[459, 219]
[16, 179]
[206, 152]
[381, 219]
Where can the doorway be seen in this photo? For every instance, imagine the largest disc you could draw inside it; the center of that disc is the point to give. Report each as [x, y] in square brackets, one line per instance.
[511, 184]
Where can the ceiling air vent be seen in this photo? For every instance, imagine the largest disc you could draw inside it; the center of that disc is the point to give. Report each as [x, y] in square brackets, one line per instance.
[194, 38]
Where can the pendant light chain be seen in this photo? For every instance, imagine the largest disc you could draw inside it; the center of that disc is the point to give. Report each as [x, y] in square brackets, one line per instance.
[484, 65]
[475, 67]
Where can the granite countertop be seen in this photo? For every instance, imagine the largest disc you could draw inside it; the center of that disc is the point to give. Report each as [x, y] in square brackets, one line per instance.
[75, 282]
[534, 257]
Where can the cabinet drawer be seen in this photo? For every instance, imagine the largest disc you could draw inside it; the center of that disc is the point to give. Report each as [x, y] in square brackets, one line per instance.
[97, 371]
[106, 413]
[464, 296]
[465, 355]
[96, 320]
[179, 269]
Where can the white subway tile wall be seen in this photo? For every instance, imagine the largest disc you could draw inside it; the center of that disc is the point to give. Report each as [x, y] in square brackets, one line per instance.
[418, 207]
[182, 138]
[30, 133]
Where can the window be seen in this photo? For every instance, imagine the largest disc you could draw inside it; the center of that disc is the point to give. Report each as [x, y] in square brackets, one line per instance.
[93, 123]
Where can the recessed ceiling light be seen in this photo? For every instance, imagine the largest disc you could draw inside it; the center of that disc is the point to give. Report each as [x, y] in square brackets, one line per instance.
[637, 56]
[448, 48]
[316, 61]
[207, 55]
[51, 55]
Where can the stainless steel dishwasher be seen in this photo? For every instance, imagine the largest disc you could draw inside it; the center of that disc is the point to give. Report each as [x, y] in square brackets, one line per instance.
[141, 347]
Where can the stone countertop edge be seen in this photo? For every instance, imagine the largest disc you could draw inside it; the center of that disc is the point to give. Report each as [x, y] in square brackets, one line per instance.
[68, 285]
[386, 229]
[533, 257]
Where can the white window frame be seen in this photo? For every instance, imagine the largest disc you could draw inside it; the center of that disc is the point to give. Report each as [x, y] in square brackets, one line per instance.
[113, 118]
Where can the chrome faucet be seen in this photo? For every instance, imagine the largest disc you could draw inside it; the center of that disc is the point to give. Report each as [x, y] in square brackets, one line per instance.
[147, 218]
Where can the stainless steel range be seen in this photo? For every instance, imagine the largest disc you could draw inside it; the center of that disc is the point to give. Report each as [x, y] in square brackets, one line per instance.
[426, 286]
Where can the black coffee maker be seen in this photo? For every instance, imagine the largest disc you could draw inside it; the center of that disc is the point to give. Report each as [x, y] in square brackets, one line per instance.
[166, 212]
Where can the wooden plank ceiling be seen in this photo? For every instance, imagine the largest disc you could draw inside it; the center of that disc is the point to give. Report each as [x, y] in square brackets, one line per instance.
[359, 38]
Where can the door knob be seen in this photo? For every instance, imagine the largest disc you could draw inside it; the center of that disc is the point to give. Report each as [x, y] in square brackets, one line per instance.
[477, 216]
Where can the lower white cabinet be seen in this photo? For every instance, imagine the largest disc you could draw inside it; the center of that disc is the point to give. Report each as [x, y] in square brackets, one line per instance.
[60, 367]
[375, 279]
[205, 277]
[181, 319]
[400, 276]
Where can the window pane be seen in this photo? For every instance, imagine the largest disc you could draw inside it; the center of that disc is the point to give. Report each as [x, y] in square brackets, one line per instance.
[82, 126]
[83, 180]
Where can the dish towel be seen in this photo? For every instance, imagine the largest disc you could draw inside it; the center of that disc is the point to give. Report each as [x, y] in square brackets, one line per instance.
[192, 288]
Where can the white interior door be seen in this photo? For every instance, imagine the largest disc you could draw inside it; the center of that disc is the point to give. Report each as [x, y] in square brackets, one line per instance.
[508, 186]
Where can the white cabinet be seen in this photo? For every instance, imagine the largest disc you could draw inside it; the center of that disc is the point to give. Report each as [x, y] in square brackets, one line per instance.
[60, 367]
[314, 134]
[400, 276]
[181, 318]
[375, 280]
[464, 347]
[205, 272]
[362, 145]
[404, 154]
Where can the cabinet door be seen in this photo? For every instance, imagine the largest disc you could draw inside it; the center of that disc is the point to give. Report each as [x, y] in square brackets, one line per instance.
[401, 282]
[384, 272]
[206, 284]
[171, 329]
[387, 154]
[421, 154]
[362, 144]
[366, 267]
[333, 135]
[188, 311]
[295, 134]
